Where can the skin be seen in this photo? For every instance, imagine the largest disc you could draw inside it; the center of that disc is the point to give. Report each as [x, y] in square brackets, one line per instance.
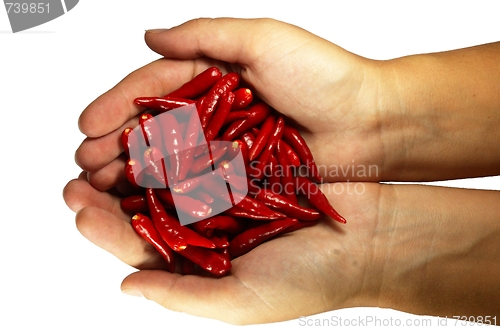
[420, 249]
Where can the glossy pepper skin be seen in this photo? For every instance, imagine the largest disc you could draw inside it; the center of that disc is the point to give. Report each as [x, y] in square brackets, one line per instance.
[173, 142]
[297, 142]
[286, 206]
[198, 85]
[145, 228]
[190, 143]
[287, 179]
[257, 114]
[134, 204]
[261, 140]
[224, 85]
[312, 192]
[243, 98]
[215, 263]
[253, 237]
[262, 161]
[162, 104]
[219, 117]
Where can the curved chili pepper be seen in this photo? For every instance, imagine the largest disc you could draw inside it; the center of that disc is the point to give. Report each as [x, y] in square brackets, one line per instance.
[155, 166]
[207, 160]
[287, 180]
[258, 170]
[173, 141]
[238, 212]
[162, 104]
[151, 130]
[224, 223]
[193, 207]
[188, 185]
[293, 158]
[258, 113]
[145, 228]
[297, 142]
[126, 140]
[134, 204]
[166, 224]
[235, 115]
[227, 172]
[203, 196]
[261, 140]
[286, 206]
[134, 172]
[198, 85]
[256, 207]
[178, 237]
[190, 143]
[274, 180]
[249, 139]
[226, 84]
[252, 237]
[213, 262]
[219, 117]
[242, 98]
[312, 192]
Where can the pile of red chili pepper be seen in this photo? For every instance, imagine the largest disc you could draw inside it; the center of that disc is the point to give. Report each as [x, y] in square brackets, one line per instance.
[177, 175]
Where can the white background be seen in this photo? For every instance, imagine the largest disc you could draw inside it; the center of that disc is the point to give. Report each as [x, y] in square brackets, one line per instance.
[53, 277]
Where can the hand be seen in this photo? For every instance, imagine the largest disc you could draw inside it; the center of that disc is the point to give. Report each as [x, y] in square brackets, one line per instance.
[323, 88]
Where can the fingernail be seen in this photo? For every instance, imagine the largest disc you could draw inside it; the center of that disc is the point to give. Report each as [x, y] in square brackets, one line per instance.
[133, 293]
[156, 30]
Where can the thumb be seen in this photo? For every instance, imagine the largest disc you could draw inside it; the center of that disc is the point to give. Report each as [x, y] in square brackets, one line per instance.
[215, 298]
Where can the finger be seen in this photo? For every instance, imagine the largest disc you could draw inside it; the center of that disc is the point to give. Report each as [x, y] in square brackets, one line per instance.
[109, 176]
[78, 193]
[116, 235]
[115, 107]
[201, 296]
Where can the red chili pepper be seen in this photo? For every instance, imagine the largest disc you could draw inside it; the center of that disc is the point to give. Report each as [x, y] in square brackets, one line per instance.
[188, 185]
[207, 160]
[274, 180]
[145, 228]
[155, 166]
[173, 141]
[203, 196]
[258, 113]
[293, 158]
[243, 98]
[312, 192]
[134, 204]
[255, 131]
[162, 104]
[254, 206]
[178, 237]
[261, 140]
[198, 85]
[125, 140]
[151, 130]
[165, 196]
[220, 240]
[134, 172]
[250, 238]
[297, 142]
[191, 138]
[166, 224]
[287, 180]
[258, 170]
[193, 207]
[235, 115]
[223, 109]
[227, 172]
[286, 206]
[238, 212]
[213, 262]
[225, 85]
[218, 222]
[249, 139]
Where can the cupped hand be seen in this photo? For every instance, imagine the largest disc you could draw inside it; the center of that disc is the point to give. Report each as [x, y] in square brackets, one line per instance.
[326, 91]
[315, 269]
